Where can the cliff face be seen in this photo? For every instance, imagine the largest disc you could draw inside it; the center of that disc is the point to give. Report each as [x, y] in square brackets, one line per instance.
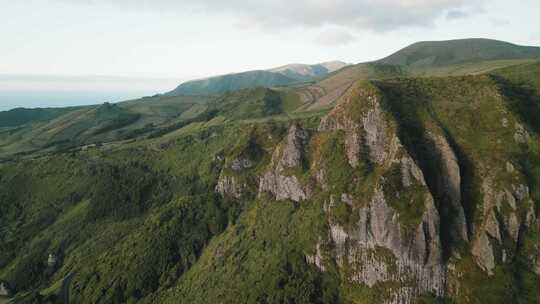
[399, 231]
[406, 191]
[287, 157]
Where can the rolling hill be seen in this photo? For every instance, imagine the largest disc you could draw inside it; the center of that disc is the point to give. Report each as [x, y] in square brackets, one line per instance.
[402, 190]
[422, 59]
[452, 52]
[280, 76]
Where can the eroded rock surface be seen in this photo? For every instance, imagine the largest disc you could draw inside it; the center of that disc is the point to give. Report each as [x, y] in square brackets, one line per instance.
[502, 219]
[449, 187]
[229, 186]
[521, 136]
[369, 130]
[4, 291]
[377, 251]
[288, 156]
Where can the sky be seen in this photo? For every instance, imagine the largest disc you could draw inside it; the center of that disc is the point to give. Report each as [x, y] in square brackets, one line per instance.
[150, 46]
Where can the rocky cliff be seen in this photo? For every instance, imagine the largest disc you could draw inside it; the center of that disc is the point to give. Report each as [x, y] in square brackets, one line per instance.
[388, 227]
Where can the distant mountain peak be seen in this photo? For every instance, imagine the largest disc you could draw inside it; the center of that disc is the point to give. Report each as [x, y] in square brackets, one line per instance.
[302, 71]
[279, 76]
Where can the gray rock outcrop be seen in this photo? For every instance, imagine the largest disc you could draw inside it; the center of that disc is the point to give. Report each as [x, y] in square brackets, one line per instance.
[370, 130]
[505, 213]
[229, 186]
[4, 290]
[377, 251]
[449, 187]
[521, 136]
[288, 156]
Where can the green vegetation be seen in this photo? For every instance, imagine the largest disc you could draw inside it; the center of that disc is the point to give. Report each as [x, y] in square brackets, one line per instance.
[260, 260]
[123, 197]
[232, 82]
[438, 53]
[21, 116]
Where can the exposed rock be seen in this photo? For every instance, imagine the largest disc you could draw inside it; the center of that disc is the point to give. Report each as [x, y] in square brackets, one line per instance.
[347, 199]
[370, 130]
[504, 122]
[4, 290]
[282, 186]
[352, 148]
[287, 156]
[483, 252]
[530, 216]
[521, 192]
[317, 259]
[229, 186]
[241, 163]
[337, 121]
[536, 267]
[410, 170]
[52, 260]
[293, 149]
[491, 226]
[449, 187]
[513, 225]
[498, 220]
[510, 199]
[521, 136]
[510, 168]
[375, 250]
[375, 128]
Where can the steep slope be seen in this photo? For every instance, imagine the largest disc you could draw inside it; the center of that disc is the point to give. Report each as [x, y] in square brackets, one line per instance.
[407, 191]
[436, 53]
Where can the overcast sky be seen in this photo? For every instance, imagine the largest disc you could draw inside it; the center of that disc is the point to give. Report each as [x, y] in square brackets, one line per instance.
[183, 39]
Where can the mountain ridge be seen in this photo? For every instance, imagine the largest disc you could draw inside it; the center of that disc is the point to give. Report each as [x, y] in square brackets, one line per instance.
[278, 76]
[458, 51]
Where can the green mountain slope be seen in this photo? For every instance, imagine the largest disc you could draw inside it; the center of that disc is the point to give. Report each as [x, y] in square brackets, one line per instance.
[75, 127]
[233, 210]
[396, 189]
[436, 53]
[280, 76]
[231, 82]
[21, 116]
[422, 59]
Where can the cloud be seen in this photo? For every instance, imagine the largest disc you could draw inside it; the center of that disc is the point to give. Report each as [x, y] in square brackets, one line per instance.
[456, 14]
[499, 21]
[377, 15]
[335, 38]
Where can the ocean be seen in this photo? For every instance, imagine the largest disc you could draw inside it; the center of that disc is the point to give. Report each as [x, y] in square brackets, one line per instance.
[47, 99]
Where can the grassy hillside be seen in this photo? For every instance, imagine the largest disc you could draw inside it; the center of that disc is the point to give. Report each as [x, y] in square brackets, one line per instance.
[232, 82]
[75, 127]
[280, 76]
[323, 93]
[368, 186]
[437, 53]
[21, 116]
